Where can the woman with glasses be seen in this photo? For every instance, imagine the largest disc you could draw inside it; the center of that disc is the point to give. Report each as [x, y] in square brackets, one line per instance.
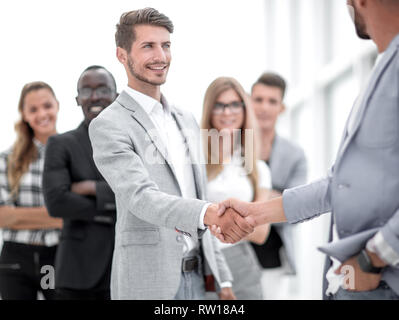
[230, 140]
[30, 235]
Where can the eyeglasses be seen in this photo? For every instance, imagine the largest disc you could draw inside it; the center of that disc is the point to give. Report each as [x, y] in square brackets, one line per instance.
[101, 92]
[235, 107]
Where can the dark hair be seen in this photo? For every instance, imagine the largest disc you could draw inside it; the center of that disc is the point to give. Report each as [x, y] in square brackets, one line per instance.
[125, 35]
[96, 67]
[272, 80]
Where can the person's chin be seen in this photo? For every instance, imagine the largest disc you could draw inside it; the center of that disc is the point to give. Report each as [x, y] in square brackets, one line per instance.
[159, 80]
[45, 132]
[265, 125]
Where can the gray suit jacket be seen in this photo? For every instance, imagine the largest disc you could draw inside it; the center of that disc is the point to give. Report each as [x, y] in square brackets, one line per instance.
[151, 213]
[362, 188]
[287, 164]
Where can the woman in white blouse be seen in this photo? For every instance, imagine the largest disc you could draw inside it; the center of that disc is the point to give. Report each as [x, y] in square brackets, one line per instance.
[230, 139]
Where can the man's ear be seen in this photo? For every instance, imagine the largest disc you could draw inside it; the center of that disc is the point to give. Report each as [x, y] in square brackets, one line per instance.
[121, 54]
[283, 107]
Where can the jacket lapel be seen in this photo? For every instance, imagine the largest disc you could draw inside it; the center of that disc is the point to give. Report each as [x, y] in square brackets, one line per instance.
[144, 120]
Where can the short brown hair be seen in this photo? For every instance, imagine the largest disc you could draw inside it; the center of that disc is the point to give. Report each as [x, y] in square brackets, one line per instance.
[272, 80]
[125, 35]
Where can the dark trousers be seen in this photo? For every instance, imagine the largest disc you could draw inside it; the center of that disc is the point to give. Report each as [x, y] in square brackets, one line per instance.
[26, 270]
[101, 291]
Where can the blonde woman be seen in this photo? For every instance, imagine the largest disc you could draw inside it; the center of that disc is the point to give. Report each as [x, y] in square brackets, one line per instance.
[30, 235]
[230, 140]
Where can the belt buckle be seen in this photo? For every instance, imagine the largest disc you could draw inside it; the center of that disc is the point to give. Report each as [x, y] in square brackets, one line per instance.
[189, 264]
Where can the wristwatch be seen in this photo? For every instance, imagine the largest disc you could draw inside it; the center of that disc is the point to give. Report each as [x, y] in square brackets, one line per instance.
[365, 263]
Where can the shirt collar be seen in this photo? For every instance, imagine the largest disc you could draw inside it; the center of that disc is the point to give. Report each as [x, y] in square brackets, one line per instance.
[146, 102]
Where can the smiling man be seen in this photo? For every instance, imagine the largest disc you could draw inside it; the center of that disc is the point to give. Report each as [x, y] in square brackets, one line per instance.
[75, 191]
[148, 151]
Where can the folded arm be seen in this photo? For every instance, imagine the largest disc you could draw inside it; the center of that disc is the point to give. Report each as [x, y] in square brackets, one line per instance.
[63, 198]
[27, 218]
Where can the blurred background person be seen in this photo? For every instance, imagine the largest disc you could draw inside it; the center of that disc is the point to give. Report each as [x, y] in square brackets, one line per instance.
[288, 168]
[228, 113]
[30, 235]
[76, 191]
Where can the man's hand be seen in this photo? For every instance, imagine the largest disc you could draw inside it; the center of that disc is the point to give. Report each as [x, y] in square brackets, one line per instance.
[227, 294]
[84, 188]
[232, 226]
[256, 213]
[363, 281]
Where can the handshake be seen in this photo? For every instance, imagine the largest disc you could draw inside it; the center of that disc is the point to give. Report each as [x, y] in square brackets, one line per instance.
[232, 220]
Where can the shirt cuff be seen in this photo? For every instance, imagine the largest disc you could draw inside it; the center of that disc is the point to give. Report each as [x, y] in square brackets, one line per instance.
[226, 284]
[383, 250]
[202, 215]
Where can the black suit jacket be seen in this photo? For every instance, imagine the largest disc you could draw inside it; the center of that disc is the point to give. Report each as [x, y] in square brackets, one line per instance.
[85, 250]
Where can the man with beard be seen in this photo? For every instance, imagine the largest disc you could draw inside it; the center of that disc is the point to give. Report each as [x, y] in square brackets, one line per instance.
[149, 152]
[361, 189]
[75, 191]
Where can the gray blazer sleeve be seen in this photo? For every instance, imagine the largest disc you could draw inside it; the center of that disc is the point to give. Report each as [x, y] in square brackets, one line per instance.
[308, 201]
[123, 169]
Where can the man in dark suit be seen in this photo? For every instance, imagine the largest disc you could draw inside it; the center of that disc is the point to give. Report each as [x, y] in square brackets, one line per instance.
[75, 191]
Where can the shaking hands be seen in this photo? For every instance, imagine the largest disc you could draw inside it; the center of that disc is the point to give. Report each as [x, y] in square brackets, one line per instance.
[231, 224]
[236, 219]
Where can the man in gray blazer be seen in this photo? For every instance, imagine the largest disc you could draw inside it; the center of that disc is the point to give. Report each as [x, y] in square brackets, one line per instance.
[149, 153]
[362, 188]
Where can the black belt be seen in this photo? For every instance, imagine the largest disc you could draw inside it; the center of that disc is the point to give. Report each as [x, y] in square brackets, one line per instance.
[190, 264]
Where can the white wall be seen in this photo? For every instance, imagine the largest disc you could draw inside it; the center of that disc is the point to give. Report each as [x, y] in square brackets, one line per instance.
[55, 41]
